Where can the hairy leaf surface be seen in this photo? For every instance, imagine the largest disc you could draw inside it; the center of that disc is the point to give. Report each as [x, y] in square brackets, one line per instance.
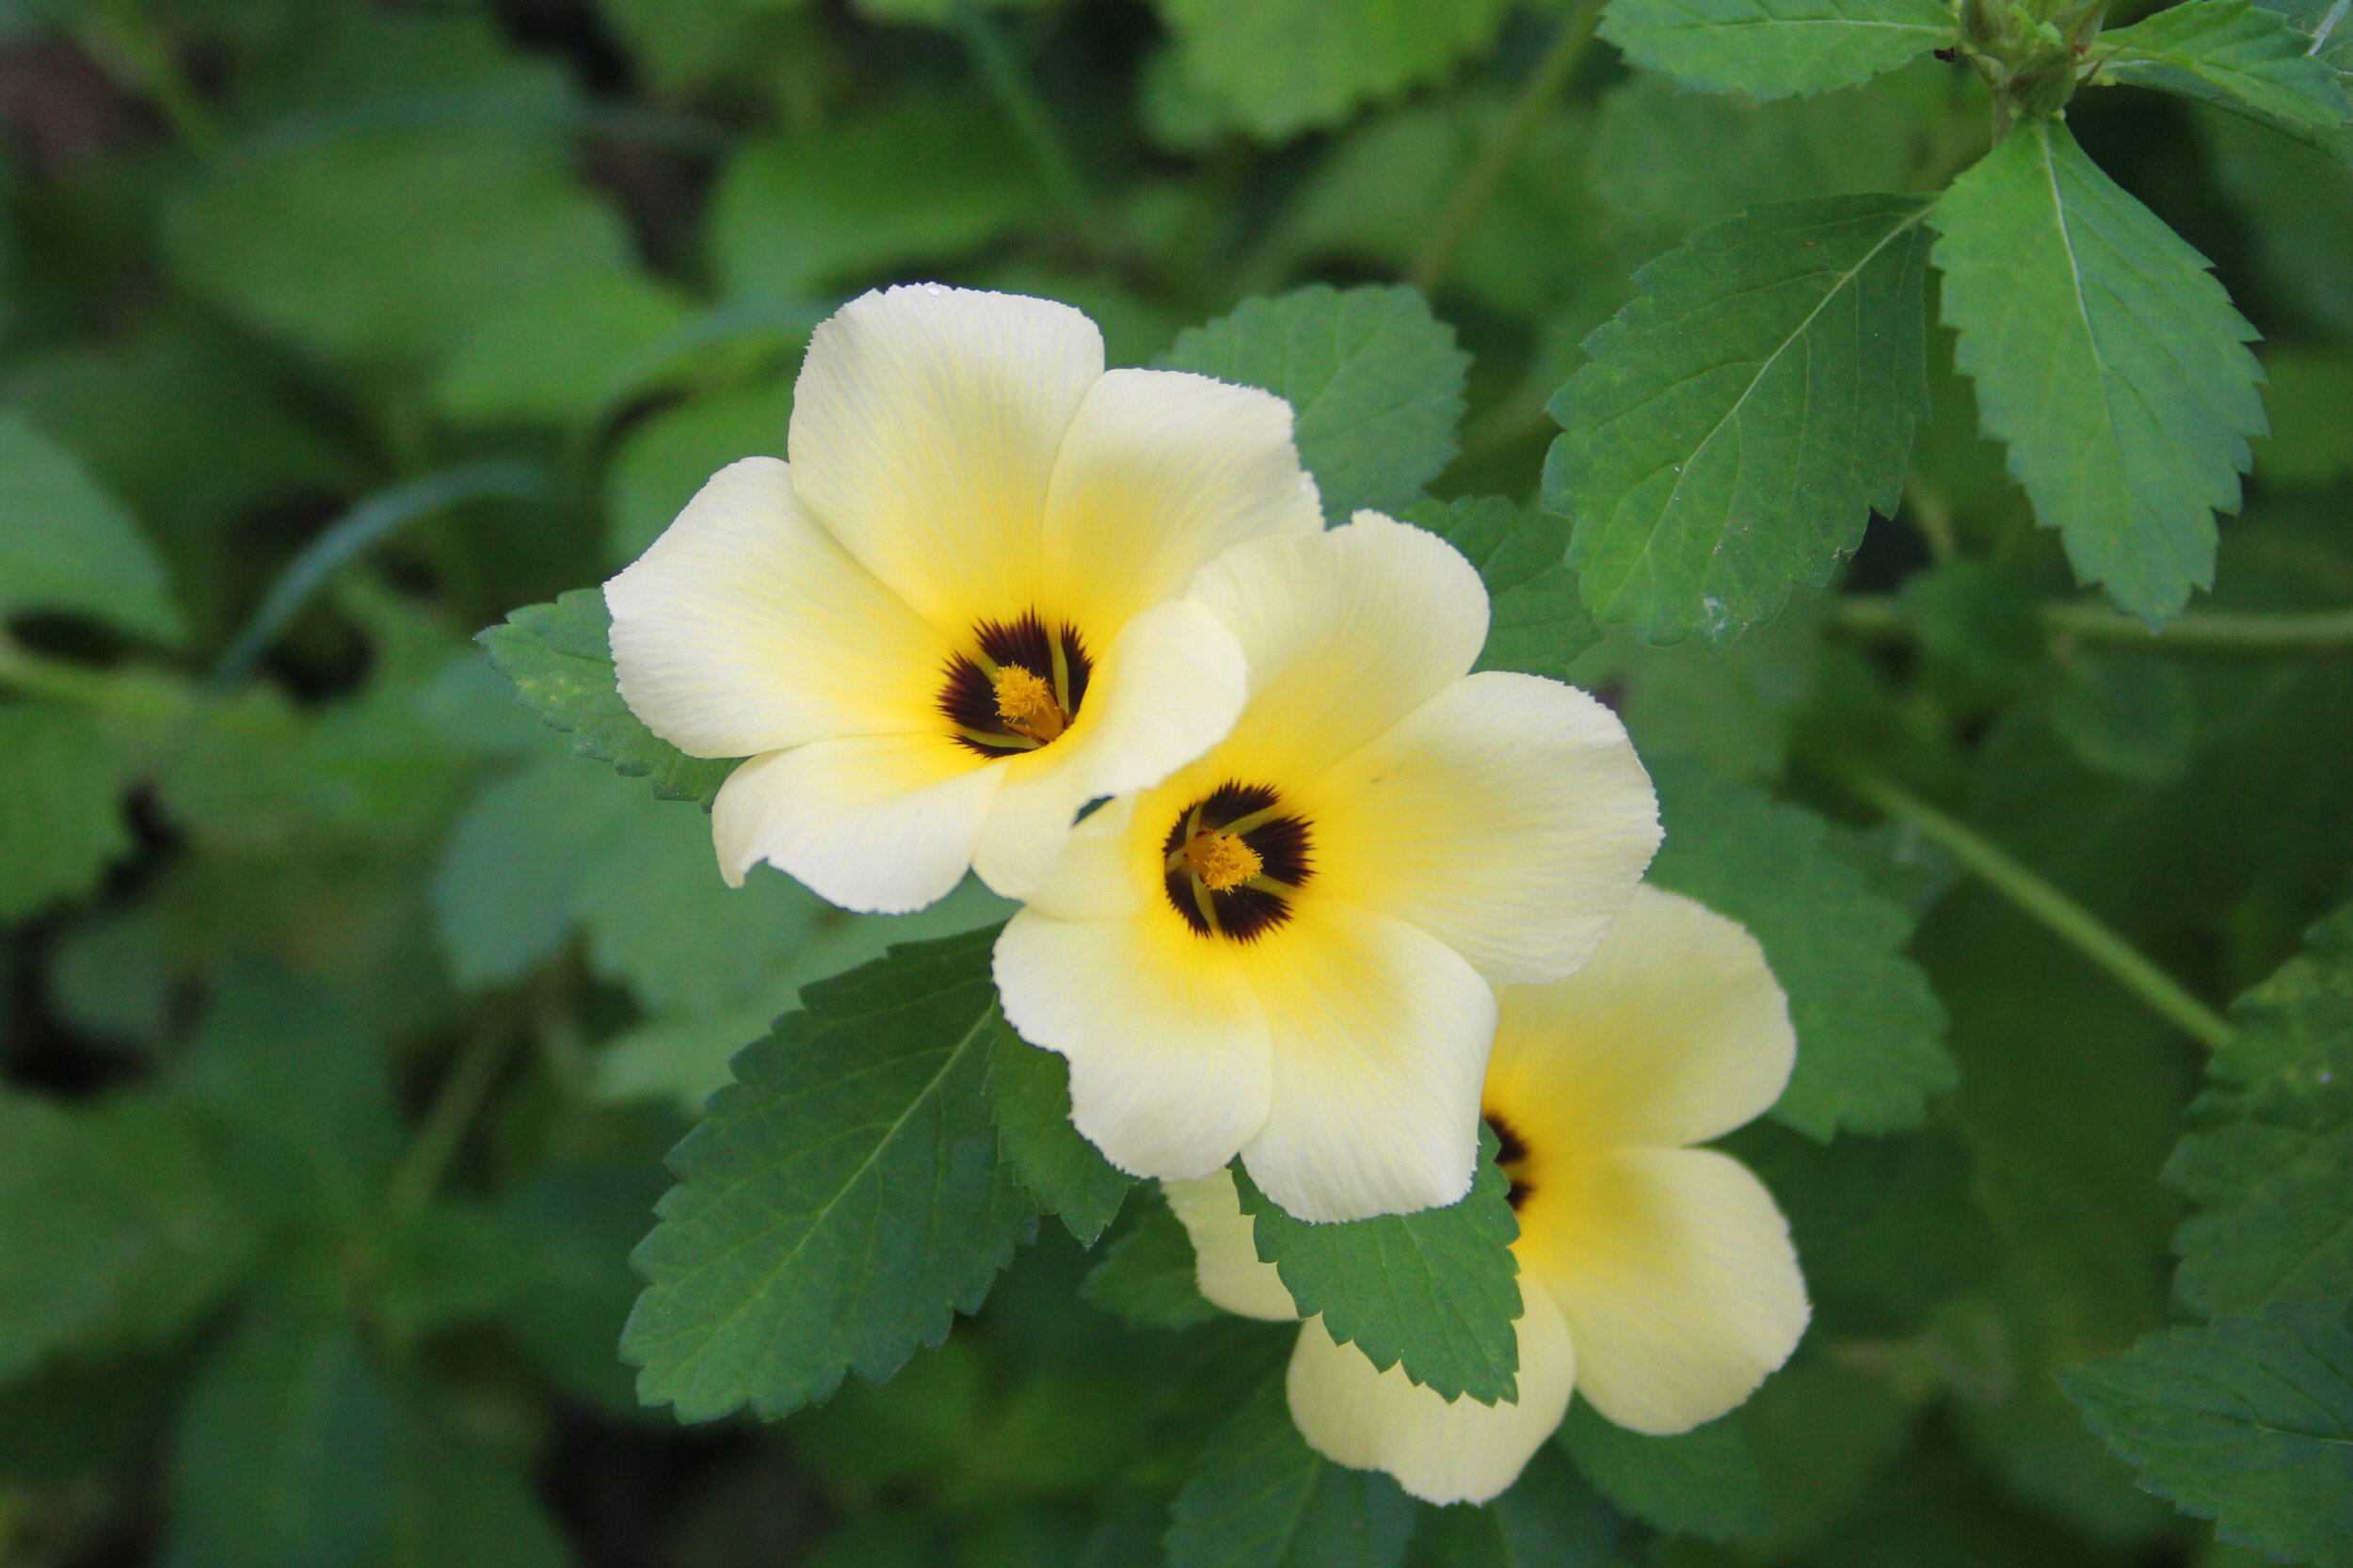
[2247, 1421]
[1438, 1290]
[843, 1200]
[2107, 357]
[1738, 423]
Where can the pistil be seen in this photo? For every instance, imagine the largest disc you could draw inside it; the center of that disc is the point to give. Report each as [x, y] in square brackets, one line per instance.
[1222, 860]
[1027, 704]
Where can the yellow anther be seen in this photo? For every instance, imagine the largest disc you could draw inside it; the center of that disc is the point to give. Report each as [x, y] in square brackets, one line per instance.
[1027, 704]
[1222, 861]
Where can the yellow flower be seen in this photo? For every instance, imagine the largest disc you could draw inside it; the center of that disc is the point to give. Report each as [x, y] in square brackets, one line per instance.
[1655, 1277]
[955, 618]
[1288, 948]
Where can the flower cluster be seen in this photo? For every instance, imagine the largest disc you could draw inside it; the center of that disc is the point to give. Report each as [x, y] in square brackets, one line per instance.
[1338, 897]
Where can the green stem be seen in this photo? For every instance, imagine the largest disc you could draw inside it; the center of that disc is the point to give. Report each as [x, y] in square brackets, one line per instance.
[462, 1093]
[120, 33]
[2246, 631]
[1436, 257]
[1001, 74]
[136, 696]
[2059, 914]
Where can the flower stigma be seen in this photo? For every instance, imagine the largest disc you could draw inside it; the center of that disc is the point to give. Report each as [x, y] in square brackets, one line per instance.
[1233, 860]
[1027, 705]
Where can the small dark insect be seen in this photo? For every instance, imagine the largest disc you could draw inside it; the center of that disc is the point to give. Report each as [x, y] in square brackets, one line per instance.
[1949, 55]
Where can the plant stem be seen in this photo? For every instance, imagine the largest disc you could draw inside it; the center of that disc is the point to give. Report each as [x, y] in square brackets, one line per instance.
[1437, 256]
[993, 58]
[2246, 631]
[2059, 914]
[462, 1093]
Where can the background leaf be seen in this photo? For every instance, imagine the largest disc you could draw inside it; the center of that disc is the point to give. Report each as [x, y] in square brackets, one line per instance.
[1741, 419]
[1868, 1026]
[1285, 66]
[843, 1200]
[1437, 1290]
[1260, 1497]
[2109, 359]
[1375, 379]
[1147, 1277]
[1537, 622]
[560, 658]
[1068, 1176]
[2236, 55]
[66, 545]
[1704, 1483]
[1767, 48]
[2248, 1421]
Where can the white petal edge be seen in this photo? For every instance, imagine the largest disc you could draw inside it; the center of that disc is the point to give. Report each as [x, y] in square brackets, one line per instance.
[879, 824]
[1380, 1034]
[925, 426]
[1674, 1032]
[1169, 1069]
[1168, 689]
[1440, 1452]
[1160, 472]
[1508, 816]
[1680, 1289]
[1225, 1259]
[1345, 632]
[744, 628]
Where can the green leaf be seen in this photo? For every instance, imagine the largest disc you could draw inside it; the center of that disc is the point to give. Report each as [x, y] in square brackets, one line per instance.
[2248, 1421]
[1769, 48]
[571, 1228]
[63, 777]
[843, 1200]
[1147, 1277]
[559, 357]
[685, 1055]
[285, 1452]
[1550, 1519]
[560, 658]
[387, 246]
[803, 214]
[2109, 359]
[1285, 66]
[2270, 1156]
[1437, 1290]
[1376, 381]
[116, 1225]
[1738, 423]
[1537, 623]
[1068, 1176]
[1259, 1498]
[2305, 395]
[665, 460]
[66, 545]
[1868, 1027]
[2233, 54]
[1704, 1483]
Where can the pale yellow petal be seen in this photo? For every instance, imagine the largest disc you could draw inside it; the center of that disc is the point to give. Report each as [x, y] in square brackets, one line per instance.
[1508, 816]
[1226, 1250]
[1160, 472]
[1380, 1037]
[1440, 1452]
[1167, 689]
[882, 823]
[925, 427]
[1674, 1032]
[746, 627]
[1345, 632]
[1169, 1069]
[1675, 1275]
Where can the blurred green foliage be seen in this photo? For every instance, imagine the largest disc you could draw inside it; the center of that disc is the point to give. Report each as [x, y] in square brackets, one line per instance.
[351, 1009]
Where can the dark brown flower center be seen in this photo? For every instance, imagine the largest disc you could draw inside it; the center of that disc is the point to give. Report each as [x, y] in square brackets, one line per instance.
[1234, 860]
[1511, 1156]
[1018, 689]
